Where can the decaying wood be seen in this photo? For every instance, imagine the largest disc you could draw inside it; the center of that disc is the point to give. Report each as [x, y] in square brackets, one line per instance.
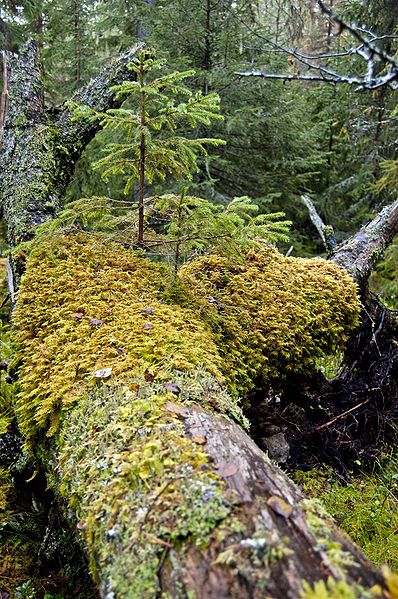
[262, 490]
[359, 254]
[325, 232]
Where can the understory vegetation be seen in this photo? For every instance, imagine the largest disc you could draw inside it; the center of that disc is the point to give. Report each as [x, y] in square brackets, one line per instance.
[365, 507]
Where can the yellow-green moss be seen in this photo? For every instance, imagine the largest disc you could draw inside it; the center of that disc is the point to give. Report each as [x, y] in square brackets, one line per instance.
[339, 589]
[273, 315]
[85, 305]
[138, 484]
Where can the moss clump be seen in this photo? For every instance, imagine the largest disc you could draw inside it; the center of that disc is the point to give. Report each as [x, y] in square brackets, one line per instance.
[138, 484]
[273, 315]
[86, 305]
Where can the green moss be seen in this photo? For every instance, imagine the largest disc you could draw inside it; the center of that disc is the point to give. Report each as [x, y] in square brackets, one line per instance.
[124, 453]
[366, 508]
[85, 305]
[338, 589]
[15, 552]
[273, 315]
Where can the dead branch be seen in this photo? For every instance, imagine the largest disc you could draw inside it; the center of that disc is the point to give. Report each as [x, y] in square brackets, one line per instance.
[368, 50]
[325, 232]
[359, 254]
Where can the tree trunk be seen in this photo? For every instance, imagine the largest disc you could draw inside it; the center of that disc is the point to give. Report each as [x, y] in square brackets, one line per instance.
[169, 495]
[41, 149]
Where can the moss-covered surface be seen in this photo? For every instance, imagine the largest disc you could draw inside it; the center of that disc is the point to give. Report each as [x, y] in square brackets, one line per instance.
[6, 352]
[86, 305]
[112, 352]
[138, 484]
[15, 559]
[106, 357]
[272, 315]
[339, 589]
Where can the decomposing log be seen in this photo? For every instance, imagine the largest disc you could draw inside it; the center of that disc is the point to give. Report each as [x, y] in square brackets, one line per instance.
[134, 425]
[350, 417]
[170, 495]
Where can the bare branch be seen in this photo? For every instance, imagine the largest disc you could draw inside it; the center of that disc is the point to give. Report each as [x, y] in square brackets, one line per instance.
[297, 77]
[368, 51]
[325, 232]
[357, 32]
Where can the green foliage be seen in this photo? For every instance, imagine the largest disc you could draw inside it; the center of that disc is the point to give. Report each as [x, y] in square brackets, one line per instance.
[389, 176]
[196, 225]
[366, 508]
[383, 280]
[153, 145]
[26, 590]
[177, 226]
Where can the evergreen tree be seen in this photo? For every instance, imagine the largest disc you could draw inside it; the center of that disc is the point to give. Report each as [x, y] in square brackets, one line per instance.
[153, 148]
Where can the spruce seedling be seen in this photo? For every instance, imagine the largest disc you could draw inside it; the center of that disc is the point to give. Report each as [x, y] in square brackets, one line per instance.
[154, 123]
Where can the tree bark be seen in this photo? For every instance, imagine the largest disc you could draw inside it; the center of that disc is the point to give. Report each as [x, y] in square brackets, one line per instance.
[359, 254]
[40, 149]
[217, 519]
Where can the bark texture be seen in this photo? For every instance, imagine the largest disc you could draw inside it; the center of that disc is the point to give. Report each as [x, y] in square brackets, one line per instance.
[40, 149]
[360, 253]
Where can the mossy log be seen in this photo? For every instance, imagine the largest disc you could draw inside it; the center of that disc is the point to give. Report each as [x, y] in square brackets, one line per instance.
[360, 253]
[136, 427]
[125, 401]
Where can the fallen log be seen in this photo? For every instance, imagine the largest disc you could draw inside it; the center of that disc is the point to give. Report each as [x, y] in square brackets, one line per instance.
[124, 399]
